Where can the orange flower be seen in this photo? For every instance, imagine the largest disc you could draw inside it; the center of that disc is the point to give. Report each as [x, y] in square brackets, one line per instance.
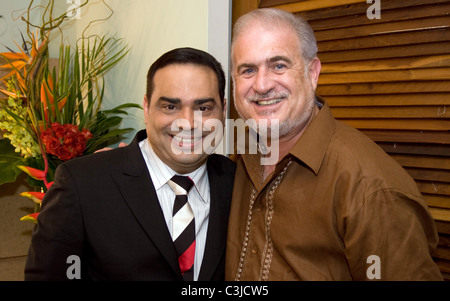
[47, 97]
[19, 61]
[30, 217]
[34, 196]
[33, 172]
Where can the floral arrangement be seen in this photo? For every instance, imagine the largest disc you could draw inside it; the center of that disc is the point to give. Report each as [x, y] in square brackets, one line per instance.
[53, 114]
[65, 140]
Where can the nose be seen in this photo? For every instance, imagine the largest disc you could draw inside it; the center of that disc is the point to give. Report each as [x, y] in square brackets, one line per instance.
[189, 119]
[263, 81]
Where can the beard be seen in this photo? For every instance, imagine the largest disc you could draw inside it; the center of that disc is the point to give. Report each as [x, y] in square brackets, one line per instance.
[281, 127]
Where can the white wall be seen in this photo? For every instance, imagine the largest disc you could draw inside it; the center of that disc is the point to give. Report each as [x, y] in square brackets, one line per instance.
[10, 23]
[150, 28]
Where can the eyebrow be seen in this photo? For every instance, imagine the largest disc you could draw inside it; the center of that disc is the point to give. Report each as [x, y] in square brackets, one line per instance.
[245, 66]
[175, 101]
[279, 58]
[204, 100]
[270, 60]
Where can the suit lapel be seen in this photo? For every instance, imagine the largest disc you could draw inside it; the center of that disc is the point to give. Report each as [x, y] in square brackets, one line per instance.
[218, 221]
[138, 191]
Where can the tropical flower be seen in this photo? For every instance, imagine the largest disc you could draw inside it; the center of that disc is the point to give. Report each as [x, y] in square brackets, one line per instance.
[65, 141]
[53, 114]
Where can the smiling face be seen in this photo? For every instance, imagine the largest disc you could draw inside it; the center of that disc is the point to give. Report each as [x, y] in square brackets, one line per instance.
[271, 80]
[180, 91]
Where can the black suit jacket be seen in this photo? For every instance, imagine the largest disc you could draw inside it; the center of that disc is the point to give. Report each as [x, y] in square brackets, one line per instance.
[103, 208]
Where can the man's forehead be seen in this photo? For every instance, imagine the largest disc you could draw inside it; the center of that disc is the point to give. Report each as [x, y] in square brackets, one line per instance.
[266, 46]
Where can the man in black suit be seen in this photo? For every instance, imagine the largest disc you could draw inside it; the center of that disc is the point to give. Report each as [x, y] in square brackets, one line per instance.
[113, 210]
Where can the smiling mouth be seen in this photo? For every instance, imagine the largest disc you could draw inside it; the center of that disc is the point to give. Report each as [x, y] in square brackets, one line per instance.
[186, 141]
[268, 102]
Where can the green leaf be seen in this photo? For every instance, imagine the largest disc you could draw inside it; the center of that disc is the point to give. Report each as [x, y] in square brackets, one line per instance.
[9, 160]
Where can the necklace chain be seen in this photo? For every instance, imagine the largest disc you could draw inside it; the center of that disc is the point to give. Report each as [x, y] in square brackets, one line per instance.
[266, 259]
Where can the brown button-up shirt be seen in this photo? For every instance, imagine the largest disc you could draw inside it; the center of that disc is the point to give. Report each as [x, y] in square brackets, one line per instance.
[342, 209]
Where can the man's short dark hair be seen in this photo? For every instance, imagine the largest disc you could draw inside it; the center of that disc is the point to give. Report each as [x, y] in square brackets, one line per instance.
[187, 56]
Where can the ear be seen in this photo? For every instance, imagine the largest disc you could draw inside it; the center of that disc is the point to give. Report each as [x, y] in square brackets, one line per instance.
[314, 71]
[145, 105]
[225, 109]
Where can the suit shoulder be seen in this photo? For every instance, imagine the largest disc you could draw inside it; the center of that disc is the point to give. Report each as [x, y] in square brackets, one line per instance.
[222, 161]
[96, 160]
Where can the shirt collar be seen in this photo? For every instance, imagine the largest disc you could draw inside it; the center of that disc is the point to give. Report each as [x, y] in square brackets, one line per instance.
[313, 144]
[309, 149]
[161, 173]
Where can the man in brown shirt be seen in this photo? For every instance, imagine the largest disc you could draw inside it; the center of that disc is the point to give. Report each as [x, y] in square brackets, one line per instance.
[334, 206]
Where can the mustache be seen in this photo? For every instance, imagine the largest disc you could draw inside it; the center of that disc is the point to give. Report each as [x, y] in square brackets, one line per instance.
[272, 94]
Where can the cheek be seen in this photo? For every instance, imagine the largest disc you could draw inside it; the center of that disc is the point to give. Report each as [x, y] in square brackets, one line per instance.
[155, 124]
[243, 87]
[145, 114]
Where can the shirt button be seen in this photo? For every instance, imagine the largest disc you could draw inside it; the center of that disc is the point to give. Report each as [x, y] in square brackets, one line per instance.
[255, 251]
[258, 209]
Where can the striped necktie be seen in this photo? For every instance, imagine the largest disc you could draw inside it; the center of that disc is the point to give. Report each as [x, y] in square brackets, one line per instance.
[183, 233]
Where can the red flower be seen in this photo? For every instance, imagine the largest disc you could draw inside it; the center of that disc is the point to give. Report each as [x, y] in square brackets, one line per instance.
[51, 143]
[30, 217]
[64, 153]
[58, 130]
[65, 140]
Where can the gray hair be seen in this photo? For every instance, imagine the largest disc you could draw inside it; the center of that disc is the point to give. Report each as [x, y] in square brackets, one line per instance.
[271, 17]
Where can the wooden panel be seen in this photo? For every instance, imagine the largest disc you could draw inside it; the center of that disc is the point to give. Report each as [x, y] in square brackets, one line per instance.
[386, 40]
[384, 88]
[314, 4]
[385, 76]
[413, 50]
[395, 124]
[400, 7]
[437, 201]
[442, 150]
[443, 227]
[358, 18]
[440, 214]
[270, 3]
[432, 175]
[420, 136]
[426, 61]
[434, 188]
[433, 112]
[241, 7]
[384, 28]
[393, 100]
[423, 161]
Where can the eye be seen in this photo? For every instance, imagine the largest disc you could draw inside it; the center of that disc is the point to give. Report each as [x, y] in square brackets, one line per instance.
[169, 107]
[204, 108]
[279, 67]
[248, 71]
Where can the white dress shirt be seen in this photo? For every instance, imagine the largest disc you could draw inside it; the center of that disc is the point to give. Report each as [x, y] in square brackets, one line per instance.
[198, 197]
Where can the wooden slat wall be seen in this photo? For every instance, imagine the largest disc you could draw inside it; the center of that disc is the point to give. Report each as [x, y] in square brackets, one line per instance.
[390, 78]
